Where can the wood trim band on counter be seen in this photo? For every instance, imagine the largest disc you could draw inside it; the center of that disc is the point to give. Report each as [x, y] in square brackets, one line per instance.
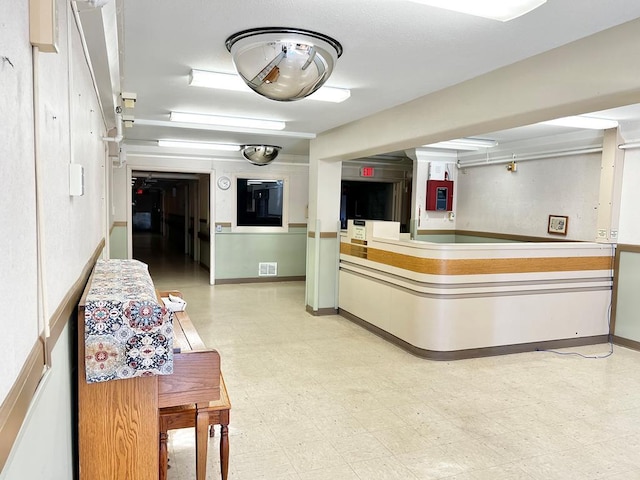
[15, 406]
[323, 234]
[297, 225]
[69, 305]
[474, 352]
[486, 266]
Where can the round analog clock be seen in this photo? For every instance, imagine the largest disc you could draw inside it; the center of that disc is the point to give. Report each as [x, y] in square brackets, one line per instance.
[224, 183]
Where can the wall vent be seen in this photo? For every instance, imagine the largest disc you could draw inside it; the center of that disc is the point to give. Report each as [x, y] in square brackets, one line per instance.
[267, 269]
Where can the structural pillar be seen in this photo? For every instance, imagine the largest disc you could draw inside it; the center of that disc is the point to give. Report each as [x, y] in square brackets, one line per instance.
[323, 235]
[610, 187]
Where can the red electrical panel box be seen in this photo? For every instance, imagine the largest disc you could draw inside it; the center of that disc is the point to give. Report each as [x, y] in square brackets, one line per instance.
[440, 195]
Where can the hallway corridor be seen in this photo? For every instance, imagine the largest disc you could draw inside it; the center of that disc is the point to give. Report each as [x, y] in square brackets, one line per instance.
[319, 398]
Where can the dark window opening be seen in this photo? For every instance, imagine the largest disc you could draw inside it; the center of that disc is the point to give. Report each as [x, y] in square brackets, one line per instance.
[259, 203]
[366, 200]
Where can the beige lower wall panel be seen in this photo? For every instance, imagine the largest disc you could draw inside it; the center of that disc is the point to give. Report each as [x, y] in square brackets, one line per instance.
[47, 429]
[457, 324]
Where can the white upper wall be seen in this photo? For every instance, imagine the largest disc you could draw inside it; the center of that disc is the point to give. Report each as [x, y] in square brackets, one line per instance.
[18, 268]
[70, 130]
[492, 199]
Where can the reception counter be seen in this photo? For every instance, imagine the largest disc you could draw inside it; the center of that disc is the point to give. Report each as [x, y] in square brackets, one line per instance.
[450, 301]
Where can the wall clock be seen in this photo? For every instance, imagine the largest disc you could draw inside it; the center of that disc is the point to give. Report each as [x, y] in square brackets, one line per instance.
[224, 183]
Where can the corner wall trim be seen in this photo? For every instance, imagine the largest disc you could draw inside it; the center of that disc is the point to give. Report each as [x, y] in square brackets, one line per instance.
[14, 408]
[69, 303]
[474, 352]
[323, 235]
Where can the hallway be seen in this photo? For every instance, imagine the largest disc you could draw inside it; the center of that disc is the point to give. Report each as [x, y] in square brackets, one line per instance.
[319, 398]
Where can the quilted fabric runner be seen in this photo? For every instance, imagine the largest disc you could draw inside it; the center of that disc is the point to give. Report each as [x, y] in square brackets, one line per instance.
[127, 332]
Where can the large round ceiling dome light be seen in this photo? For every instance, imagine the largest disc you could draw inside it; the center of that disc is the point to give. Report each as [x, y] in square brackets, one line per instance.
[283, 64]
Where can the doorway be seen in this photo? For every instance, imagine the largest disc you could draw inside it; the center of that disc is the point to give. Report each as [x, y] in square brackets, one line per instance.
[171, 212]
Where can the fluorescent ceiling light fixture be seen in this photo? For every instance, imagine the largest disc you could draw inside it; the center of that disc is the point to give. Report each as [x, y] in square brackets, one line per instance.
[580, 121]
[502, 10]
[464, 144]
[201, 145]
[227, 121]
[230, 81]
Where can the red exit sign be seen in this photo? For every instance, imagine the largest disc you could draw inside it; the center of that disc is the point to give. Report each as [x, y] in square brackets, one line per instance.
[366, 171]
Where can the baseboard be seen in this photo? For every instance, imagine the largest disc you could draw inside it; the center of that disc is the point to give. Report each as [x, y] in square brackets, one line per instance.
[475, 352]
[625, 342]
[226, 281]
[322, 311]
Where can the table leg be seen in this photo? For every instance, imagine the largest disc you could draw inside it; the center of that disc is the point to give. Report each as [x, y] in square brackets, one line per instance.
[202, 437]
[164, 457]
[224, 451]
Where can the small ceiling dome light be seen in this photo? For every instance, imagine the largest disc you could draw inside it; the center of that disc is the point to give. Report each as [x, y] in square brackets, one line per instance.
[260, 154]
[283, 64]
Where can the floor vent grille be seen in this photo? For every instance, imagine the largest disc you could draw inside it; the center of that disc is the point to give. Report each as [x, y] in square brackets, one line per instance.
[267, 269]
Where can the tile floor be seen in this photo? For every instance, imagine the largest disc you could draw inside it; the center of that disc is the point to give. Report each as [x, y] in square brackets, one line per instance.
[319, 398]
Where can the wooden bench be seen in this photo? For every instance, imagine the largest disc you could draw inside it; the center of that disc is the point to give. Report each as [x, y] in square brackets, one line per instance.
[184, 416]
[193, 396]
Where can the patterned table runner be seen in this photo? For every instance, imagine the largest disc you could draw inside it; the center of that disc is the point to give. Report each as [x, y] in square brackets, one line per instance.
[127, 332]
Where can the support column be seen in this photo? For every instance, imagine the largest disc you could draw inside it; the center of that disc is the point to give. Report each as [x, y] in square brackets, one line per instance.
[610, 187]
[323, 237]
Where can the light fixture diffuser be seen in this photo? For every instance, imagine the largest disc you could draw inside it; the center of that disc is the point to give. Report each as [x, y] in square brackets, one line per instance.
[227, 121]
[227, 147]
[580, 121]
[502, 10]
[469, 144]
[230, 81]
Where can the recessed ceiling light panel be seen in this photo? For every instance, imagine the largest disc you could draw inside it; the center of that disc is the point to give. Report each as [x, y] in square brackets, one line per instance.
[283, 64]
[502, 10]
[226, 121]
[580, 121]
[232, 81]
[227, 147]
[468, 143]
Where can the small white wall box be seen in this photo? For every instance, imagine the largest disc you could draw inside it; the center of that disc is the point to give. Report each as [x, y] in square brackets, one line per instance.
[436, 171]
[76, 180]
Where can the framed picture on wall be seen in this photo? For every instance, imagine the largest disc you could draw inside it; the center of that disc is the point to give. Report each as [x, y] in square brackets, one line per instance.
[558, 224]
